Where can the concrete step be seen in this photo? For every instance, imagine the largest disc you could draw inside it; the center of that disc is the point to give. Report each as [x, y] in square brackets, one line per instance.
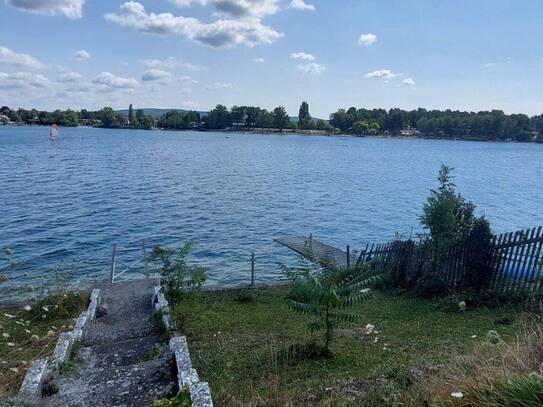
[128, 352]
[133, 385]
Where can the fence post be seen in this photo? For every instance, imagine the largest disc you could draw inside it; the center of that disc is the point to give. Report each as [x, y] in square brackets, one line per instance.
[253, 269]
[146, 264]
[348, 257]
[113, 260]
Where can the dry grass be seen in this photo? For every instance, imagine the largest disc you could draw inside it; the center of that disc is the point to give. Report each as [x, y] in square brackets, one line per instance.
[491, 372]
[26, 336]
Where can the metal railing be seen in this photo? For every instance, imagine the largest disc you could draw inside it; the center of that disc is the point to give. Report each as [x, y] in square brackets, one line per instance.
[131, 266]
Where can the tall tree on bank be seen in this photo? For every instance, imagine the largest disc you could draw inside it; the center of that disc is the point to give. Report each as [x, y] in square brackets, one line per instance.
[280, 118]
[304, 118]
[131, 120]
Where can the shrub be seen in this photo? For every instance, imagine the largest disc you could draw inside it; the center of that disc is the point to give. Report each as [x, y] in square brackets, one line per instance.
[324, 293]
[450, 223]
[176, 275]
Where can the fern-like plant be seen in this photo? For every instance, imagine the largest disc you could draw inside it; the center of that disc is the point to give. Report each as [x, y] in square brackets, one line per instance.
[325, 293]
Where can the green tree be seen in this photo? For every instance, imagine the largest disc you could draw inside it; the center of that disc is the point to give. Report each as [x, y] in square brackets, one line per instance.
[361, 127]
[374, 128]
[147, 122]
[447, 216]
[280, 118]
[69, 118]
[218, 118]
[106, 116]
[132, 121]
[304, 118]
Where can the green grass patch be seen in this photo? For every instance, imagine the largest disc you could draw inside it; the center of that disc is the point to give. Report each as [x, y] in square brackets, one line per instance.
[239, 347]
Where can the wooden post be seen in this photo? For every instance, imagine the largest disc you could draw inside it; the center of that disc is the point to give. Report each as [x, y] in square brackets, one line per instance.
[146, 263]
[113, 260]
[348, 257]
[253, 269]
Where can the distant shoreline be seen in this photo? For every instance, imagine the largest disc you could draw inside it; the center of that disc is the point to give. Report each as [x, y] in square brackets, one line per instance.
[293, 132]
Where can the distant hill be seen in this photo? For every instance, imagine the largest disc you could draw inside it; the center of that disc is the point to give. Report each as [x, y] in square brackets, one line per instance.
[156, 113]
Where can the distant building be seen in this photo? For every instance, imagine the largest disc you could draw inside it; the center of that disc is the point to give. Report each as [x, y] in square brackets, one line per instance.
[409, 132]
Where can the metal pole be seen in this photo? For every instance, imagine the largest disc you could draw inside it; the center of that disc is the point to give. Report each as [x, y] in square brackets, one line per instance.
[145, 259]
[348, 257]
[253, 269]
[113, 259]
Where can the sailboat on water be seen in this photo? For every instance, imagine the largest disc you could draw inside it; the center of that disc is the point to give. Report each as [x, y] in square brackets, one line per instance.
[53, 132]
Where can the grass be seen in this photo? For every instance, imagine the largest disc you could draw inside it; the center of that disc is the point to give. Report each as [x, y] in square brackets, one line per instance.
[29, 335]
[234, 346]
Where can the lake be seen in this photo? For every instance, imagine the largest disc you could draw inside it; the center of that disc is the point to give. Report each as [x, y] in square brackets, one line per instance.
[233, 193]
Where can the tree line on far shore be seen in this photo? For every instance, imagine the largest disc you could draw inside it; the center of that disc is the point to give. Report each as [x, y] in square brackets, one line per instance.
[484, 125]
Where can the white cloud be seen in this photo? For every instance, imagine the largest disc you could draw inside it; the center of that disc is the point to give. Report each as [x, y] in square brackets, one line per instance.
[155, 75]
[112, 81]
[170, 63]
[367, 40]
[7, 56]
[187, 3]
[408, 82]
[186, 80]
[23, 80]
[301, 5]
[82, 55]
[258, 60]
[311, 68]
[236, 8]
[304, 56]
[67, 8]
[220, 85]
[246, 8]
[70, 77]
[382, 73]
[223, 33]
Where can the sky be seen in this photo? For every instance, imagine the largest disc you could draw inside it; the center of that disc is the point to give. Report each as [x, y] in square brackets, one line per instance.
[459, 54]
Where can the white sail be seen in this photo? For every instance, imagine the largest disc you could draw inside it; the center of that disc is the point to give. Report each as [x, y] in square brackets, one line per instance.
[53, 133]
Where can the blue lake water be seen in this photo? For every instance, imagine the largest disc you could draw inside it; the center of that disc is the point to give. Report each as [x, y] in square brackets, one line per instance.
[76, 196]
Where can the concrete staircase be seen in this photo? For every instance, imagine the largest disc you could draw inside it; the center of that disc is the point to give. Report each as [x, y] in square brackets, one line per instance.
[123, 360]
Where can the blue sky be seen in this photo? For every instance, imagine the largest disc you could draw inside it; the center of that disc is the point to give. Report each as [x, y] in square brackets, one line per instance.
[459, 54]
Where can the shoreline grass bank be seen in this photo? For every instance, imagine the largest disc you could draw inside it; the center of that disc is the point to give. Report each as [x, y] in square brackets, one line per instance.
[238, 338]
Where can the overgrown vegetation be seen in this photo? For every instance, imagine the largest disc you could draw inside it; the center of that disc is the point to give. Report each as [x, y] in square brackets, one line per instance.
[496, 373]
[245, 350]
[177, 276]
[30, 330]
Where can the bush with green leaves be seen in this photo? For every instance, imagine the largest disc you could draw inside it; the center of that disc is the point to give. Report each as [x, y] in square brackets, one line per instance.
[177, 276]
[325, 293]
[450, 222]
